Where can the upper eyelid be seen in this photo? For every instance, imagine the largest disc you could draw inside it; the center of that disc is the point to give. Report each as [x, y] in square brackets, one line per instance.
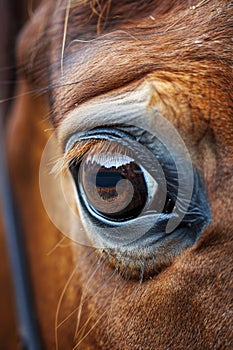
[80, 143]
[108, 133]
[126, 108]
[75, 153]
[116, 136]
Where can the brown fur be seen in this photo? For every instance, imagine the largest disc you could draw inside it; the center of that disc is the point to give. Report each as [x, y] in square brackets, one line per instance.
[184, 50]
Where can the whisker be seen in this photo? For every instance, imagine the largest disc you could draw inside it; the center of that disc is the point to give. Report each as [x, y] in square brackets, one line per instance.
[56, 246]
[84, 298]
[12, 98]
[114, 293]
[77, 307]
[82, 329]
[94, 325]
[65, 33]
[104, 36]
[142, 272]
[59, 305]
[30, 9]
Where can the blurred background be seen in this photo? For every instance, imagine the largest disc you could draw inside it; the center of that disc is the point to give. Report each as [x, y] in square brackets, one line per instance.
[13, 15]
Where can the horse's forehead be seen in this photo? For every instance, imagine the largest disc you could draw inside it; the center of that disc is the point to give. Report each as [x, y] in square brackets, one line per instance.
[83, 63]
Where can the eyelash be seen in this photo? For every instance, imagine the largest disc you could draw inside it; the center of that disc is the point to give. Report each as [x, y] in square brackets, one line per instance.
[77, 151]
[74, 157]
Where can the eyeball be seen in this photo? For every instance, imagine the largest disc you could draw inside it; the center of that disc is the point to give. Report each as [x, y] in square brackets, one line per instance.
[113, 185]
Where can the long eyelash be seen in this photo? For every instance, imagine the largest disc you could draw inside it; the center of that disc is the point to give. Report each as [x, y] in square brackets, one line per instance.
[74, 155]
[80, 148]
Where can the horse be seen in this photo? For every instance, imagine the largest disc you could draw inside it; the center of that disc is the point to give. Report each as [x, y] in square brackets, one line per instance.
[119, 145]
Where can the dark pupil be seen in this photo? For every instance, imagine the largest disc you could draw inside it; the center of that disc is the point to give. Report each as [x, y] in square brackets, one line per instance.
[108, 179]
[111, 197]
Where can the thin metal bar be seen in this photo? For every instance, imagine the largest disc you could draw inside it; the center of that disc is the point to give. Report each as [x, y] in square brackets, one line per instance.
[28, 329]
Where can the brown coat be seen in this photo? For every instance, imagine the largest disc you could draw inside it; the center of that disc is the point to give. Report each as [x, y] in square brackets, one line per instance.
[183, 51]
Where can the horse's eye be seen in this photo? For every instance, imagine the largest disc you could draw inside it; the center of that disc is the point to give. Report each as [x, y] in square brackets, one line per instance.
[114, 185]
[139, 200]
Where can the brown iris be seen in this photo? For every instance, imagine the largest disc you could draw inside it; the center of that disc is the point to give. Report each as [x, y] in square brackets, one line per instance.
[113, 184]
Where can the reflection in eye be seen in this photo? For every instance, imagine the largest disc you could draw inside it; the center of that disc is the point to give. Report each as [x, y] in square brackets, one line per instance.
[115, 186]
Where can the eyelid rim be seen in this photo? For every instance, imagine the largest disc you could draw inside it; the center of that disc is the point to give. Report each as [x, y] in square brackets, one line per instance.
[102, 133]
[116, 135]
